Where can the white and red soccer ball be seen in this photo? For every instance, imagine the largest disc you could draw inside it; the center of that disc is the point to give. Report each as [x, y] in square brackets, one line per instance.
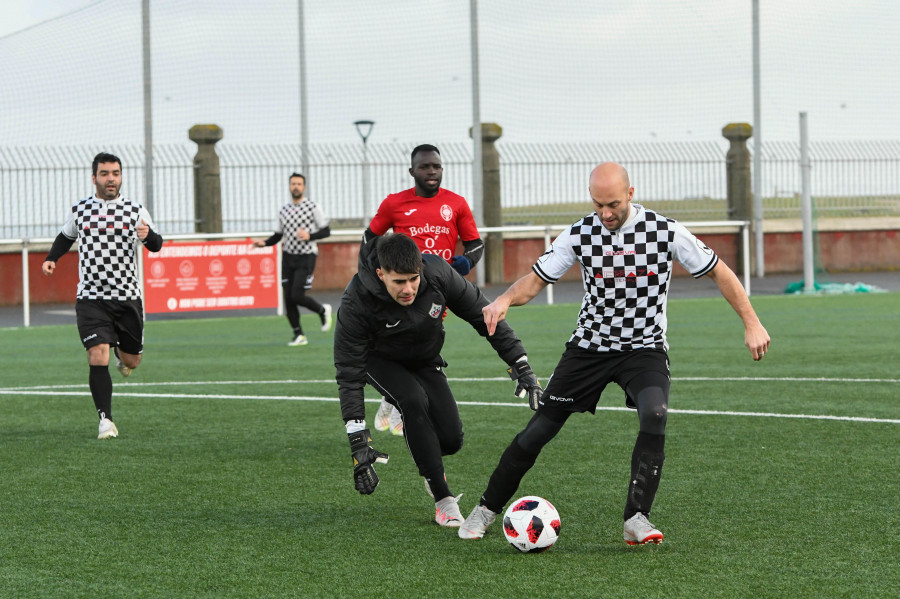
[531, 524]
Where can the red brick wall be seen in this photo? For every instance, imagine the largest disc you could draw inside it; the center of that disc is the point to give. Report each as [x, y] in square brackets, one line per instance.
[840, 251]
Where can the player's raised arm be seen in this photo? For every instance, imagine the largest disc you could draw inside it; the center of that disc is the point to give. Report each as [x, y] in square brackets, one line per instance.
[519, 293]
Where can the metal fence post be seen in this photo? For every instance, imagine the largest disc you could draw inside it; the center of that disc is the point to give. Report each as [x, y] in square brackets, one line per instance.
[26, 291]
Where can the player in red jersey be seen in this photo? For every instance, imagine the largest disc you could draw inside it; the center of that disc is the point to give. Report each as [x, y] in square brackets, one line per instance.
[434, 218]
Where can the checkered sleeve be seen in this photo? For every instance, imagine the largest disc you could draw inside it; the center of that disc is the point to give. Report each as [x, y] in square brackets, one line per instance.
[558, 259]
[691, 252]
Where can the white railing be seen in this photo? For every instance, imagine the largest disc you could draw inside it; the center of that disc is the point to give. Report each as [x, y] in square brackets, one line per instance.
[741, 227]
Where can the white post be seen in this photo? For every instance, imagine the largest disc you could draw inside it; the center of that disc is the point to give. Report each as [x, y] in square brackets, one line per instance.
[139, 250]
[758, 237]
[304, 128]
[148, 108]
[280, 310]
[745, 244]
[806, 208]
[367, 210]
[26, 294]
[477, 161]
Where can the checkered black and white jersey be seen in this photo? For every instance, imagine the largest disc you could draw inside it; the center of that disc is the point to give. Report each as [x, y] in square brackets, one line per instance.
[626, 275]
[292, 217]
[107, 246]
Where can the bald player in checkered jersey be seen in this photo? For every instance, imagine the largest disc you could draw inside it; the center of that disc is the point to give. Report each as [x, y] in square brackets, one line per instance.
[300, 223]
[626, 254]
[108, 309]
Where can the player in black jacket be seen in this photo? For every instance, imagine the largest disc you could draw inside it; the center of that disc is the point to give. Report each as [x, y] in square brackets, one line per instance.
[389, 333]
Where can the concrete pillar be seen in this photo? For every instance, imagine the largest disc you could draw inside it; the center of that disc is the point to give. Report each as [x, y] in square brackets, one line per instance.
[493, 214]
[207, 182]
[738, 178]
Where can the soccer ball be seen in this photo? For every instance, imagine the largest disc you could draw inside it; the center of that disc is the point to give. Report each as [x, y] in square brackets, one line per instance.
[531, 524]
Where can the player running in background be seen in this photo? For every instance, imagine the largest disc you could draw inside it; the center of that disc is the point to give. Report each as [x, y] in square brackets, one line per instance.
[300, 223]
[625, 253]
[108, 309]
[434, 218]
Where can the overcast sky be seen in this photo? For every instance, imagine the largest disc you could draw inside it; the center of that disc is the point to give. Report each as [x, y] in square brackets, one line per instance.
[568, 70]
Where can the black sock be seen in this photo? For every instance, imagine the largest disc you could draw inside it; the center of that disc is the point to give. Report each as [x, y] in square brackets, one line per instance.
[101, 390]
[646, 469]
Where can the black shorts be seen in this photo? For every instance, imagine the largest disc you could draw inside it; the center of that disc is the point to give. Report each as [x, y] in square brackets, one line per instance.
[582, 374]
[114, 322]
[297, 269]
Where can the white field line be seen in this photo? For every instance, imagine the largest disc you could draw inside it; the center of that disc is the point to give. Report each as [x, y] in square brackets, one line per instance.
[456, 379]
[123, 390]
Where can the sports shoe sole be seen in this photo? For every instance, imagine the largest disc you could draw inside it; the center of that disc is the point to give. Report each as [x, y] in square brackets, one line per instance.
[651, 540]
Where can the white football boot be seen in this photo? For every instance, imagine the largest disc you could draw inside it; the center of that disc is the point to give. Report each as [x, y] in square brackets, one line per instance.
[639, 531]
[477, 523]
[107, 429]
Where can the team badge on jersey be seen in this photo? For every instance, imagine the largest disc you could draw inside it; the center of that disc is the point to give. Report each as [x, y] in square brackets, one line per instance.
[446, 213]
[435, 311]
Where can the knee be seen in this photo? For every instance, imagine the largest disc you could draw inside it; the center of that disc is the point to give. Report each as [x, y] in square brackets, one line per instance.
[654, 421]
[130, 360]
[653, 416]
[653, 408]
[453, 445]
[295, 296]
[98, 355]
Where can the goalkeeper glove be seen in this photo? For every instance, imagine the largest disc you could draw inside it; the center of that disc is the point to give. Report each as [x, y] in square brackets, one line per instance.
[526, 383]
[364, 457]
[461, 264]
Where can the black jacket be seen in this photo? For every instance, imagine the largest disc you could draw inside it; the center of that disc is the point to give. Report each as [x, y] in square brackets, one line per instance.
[369, 320]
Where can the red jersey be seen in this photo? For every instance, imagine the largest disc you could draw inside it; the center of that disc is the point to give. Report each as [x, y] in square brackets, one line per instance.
[433, 223]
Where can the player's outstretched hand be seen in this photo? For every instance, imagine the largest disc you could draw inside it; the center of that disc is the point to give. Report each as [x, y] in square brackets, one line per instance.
[143, 230]
[48, 267]
[526, 383]
[493, 314]
[757, 341]
[461, 264]
[364, 458]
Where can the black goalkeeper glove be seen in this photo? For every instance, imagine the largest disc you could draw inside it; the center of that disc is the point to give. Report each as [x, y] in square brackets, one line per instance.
[364, 457]
[526, 383]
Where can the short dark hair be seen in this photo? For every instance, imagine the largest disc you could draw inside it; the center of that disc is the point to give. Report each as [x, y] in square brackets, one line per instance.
[104, 157]
[399, 253]
[423, 148]
[297, 175]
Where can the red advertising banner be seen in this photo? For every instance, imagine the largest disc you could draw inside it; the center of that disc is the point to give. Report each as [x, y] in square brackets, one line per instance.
[210, 275]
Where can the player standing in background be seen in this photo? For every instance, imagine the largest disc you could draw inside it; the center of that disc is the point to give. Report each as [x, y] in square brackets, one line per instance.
[108, 308]
[625, 253]
[303, 222]
[434, 218]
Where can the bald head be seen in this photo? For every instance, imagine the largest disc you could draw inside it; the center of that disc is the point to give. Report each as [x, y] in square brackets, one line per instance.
[610, 173]
[611, 194]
